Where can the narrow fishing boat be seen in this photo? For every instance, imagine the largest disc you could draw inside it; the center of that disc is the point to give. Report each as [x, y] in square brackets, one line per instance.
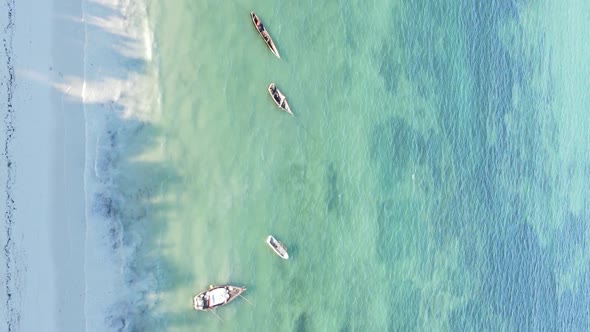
[279, 98]
[277, 247]
[216, 296]
[264, 34]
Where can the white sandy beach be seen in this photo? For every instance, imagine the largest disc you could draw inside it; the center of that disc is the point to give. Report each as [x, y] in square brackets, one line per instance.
[58, 66]
[47, 230]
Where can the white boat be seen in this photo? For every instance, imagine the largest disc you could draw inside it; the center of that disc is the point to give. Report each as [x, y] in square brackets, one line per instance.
[264, 34]
[216, 296]
[279, 98]
[277, 247]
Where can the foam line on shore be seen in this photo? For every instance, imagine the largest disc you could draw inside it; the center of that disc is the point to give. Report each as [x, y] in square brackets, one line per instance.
[119, 97]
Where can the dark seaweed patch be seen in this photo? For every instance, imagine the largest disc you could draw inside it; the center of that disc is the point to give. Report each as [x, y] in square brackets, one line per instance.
[574, 307]
[405, 307]
[574, 230]
[389, 67]
[302, 323]
[394, 146]
[103, 206]
[346, 12]
[520, 282]
[346, 326]
[333, 196]
[470, 317]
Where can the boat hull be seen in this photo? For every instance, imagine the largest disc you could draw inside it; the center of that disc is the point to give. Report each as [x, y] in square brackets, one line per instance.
[277, 247]
[216, 296]
[264, 34]
[279, 98]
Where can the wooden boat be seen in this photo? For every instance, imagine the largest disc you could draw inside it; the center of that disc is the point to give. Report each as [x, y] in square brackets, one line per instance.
[264, 34]
[277, 247]
[216, 296]
[279, 98]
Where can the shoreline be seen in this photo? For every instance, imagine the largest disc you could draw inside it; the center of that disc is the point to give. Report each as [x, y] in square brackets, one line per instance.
[75, 68]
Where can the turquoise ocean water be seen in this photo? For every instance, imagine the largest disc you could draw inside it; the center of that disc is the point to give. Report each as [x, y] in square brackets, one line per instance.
[435, 176]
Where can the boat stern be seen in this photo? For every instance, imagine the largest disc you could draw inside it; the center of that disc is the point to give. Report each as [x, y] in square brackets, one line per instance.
[199, 302]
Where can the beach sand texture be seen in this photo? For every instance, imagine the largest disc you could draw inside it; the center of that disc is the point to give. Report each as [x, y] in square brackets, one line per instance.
[44, 149]
[435, 175]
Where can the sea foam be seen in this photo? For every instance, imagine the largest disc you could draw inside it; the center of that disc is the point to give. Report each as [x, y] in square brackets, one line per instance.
[120, 97]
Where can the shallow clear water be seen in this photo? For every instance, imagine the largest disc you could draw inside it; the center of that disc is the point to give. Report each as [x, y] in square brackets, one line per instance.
[434, 177]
